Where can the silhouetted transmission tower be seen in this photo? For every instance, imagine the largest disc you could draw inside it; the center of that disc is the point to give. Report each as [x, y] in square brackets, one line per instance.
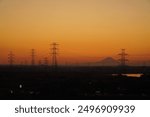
[11, 58]
[45, 61]
[123, 58]
[54, 54]
[32, 57]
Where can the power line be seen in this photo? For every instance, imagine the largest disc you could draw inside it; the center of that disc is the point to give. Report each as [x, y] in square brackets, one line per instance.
[33, 57]
[123, 57]
[54, 50]
[46, 61]
[11, 58]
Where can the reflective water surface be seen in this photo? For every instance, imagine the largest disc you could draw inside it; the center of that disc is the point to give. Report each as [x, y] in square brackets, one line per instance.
[129, 75]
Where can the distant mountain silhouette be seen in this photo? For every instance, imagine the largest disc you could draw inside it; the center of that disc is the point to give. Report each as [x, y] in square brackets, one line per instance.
[109, 61]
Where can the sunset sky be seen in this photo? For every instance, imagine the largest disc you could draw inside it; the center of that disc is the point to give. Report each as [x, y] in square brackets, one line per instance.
[87, 30]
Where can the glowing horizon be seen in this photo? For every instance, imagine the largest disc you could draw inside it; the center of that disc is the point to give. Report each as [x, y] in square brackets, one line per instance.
[86, 30]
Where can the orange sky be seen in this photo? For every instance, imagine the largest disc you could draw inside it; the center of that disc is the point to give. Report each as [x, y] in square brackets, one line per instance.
[85, 29]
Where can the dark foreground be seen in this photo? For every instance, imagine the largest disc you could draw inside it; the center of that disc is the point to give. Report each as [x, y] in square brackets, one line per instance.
[41, 82]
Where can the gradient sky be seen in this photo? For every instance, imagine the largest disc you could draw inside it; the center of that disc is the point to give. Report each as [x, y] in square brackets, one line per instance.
[85, 29]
